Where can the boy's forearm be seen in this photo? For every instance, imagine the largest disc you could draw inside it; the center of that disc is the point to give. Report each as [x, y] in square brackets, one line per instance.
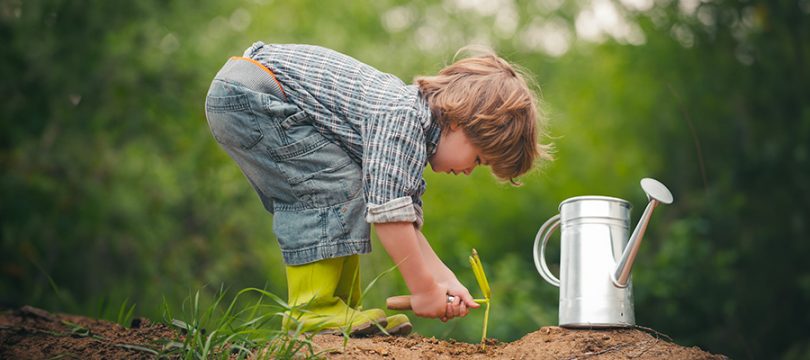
[402, 242]
[440, 270]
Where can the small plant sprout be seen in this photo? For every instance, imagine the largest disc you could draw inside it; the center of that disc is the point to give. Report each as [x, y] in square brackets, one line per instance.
[478, 270]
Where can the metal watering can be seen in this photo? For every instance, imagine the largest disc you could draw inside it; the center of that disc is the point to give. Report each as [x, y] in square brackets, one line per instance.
[596, 256]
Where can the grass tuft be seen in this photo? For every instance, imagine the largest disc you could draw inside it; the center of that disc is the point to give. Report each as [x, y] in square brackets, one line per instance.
[125, 314]
[249, 326]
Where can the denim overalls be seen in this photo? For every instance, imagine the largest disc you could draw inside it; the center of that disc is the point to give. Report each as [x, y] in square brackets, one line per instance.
[310, 185]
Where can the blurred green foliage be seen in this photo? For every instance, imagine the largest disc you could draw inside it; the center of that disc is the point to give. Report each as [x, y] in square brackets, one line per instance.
[113, 191]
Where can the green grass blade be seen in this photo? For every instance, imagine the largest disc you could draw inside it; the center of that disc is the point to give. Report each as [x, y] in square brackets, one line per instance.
[125, 315]
[480, 276]
[136, 348]
[486, 323]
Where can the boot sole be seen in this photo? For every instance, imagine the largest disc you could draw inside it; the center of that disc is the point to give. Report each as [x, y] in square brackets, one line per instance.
[401, 330]
[369, 328]
[364, 329]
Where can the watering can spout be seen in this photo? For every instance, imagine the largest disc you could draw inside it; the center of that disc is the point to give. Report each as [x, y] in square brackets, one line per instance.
[657, 193]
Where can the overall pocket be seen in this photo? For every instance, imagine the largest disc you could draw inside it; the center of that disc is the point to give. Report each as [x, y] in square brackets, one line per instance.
[231, 115]
[318, 171]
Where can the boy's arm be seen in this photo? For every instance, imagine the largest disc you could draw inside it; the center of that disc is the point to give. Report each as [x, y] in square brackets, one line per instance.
[400, 240]
[447, 278]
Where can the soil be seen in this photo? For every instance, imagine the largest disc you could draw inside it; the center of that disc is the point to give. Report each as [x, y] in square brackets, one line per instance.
[550, 342]
[31, 333]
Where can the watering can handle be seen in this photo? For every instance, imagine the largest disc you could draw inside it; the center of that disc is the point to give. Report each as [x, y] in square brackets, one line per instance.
[540, 253]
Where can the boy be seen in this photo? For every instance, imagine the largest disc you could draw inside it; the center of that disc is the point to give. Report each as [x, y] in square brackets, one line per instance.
[332, 145]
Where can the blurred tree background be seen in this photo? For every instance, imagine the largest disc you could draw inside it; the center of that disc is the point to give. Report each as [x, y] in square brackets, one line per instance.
[113, 189]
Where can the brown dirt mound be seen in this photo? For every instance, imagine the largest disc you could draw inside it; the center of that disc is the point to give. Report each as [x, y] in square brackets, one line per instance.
[31, 333]
[549, 342]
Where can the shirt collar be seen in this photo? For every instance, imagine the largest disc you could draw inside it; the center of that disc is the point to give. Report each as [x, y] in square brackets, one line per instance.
[433, 131]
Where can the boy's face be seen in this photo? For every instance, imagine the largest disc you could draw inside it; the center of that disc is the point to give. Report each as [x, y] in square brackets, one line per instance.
[455, 154]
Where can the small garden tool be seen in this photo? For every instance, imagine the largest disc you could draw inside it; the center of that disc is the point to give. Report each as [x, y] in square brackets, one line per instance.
[403, 302]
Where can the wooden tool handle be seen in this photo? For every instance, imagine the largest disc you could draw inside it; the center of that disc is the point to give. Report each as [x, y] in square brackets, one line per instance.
[401, 302]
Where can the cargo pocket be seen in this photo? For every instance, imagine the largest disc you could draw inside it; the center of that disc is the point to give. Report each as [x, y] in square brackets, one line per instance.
[318, 171]
[231, 118]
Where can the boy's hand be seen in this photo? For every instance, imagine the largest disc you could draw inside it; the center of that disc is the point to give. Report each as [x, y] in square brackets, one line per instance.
[463, 302]
[431, 303]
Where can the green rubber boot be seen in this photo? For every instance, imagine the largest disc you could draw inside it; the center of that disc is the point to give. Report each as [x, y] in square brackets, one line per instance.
[348, 290]
[348, 287]
[312, 290]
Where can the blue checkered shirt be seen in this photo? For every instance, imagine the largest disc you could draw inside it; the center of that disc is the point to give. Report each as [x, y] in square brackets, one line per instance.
[382, 123]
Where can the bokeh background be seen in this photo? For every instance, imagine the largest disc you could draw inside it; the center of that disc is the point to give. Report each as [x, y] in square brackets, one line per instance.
[113, 190]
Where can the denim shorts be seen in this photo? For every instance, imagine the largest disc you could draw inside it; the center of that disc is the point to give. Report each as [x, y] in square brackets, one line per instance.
[311, 186]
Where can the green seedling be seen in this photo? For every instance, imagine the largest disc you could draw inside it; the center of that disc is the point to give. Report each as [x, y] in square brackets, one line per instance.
[478, 270]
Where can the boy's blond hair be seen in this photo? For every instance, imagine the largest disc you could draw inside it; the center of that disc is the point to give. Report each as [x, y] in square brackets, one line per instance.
[489, 99]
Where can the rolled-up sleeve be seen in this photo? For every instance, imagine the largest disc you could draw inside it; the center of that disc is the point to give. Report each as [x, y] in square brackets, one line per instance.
[394, 160]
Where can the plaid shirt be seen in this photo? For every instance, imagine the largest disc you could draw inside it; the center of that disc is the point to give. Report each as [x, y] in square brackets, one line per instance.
[383, 124]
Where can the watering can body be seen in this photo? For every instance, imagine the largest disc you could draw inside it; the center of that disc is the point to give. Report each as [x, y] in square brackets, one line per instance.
[594, 232]
[596, 256]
